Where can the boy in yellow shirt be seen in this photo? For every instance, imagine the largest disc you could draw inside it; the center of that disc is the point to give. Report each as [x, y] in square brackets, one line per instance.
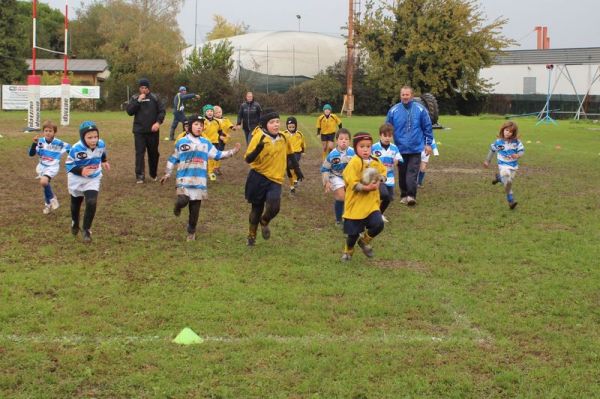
[362, 202]
[327, 125]
[226, 128]
[298, 146]
[269, 153]
[212, 132]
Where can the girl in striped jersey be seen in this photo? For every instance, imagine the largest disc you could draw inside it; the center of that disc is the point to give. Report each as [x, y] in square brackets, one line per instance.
[191, 156]
[332, 169]
[509, 149]
[84, 165]
[49, 149]
[389, 154]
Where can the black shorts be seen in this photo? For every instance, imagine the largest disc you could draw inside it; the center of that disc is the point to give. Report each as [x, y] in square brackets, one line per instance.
[354, 227]
[386, 192]
[259, 189]
[328, 137]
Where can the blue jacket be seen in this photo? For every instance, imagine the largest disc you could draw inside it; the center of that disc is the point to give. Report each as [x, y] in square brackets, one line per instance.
[179, 99]
[412, 127]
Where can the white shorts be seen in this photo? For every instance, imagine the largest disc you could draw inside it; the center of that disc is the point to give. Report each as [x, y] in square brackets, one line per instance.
[193, 193]
[336, 182]
[507, 171]
[49, 171]
[79, 184]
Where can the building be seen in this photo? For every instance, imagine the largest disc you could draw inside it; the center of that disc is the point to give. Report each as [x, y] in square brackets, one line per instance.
[522, 79]
[274, 61]
[85, 71]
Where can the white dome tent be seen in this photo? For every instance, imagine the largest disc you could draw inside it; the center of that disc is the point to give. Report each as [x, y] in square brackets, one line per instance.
[274, 61]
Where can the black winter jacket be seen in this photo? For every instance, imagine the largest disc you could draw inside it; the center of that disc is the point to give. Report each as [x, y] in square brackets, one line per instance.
[249, 115]
[147, 112]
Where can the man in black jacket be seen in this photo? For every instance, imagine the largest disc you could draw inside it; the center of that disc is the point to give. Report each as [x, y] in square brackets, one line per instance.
[249, 115]
[149, 114]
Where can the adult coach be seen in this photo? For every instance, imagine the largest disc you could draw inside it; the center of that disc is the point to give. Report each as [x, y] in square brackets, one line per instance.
[179, 109]
[249, 115]
[148, 114]
[412, 133]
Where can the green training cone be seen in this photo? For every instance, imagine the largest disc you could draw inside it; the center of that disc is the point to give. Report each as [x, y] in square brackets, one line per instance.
[187, 337]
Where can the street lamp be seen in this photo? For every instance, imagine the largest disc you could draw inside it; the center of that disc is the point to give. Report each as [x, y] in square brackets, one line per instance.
[299, 18]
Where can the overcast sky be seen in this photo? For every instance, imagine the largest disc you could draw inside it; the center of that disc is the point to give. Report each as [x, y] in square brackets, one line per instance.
[570, 23]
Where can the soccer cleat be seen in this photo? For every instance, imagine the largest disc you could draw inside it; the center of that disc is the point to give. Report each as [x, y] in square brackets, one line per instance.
[212, 177]
[512, 204]
[265, 231]
[385, 220]
[74, 229]
[496, 180]
[410, 201]
[191, 237]
[250, 241]
[155, 178]
[295, 183]
[139, 181]
[293, 190]
[366, 248]
[346, 257]
[87, 236]
[54, 203]
[47, 209]
[218, 171]
[420, 185]
[404, 200]
[176, 210]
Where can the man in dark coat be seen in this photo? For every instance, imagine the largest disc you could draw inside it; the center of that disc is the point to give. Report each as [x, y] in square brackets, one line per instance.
[249, 115]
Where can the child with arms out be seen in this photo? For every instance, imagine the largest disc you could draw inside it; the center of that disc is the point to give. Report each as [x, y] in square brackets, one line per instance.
[49, 149]
[509, 149]
[191, 155]
[332, 169]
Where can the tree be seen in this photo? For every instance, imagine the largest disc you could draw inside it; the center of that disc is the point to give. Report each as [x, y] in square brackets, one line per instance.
[12, 63]
[137, 38]
[435, 46]
[208, 73]
[224, 29]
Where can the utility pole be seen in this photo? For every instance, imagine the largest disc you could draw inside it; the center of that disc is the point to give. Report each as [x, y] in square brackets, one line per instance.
[349, 97]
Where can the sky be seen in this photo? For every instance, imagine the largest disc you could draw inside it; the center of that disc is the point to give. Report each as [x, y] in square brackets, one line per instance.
[570, 24]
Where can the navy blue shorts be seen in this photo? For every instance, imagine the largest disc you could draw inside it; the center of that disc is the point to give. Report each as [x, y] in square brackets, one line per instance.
[328, 137]
[354, 227]
[259, 189]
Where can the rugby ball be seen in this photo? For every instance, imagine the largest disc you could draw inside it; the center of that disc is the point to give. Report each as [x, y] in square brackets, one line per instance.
[370, 175]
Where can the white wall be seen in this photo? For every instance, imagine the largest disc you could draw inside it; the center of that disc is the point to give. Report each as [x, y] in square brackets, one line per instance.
[508, 79]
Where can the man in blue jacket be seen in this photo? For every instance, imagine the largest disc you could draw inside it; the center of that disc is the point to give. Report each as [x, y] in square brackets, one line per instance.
[412, 134]
[179, 109]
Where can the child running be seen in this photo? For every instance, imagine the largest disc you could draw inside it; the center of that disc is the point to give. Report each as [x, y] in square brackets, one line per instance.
[509, 149]
[298, 146]
[225, 129]
[212, 132]
[84, 167]
[362, 200]
[425, 162]
[49, 149]
[269, 153]
[191, 156]
[332, 169]
[327, 125]
[389, 154]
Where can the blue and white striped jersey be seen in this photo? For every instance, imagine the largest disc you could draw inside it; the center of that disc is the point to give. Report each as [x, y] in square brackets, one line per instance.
[191, 157]
[388, 157]
[336, 161]
[51, 152]
[505, 150]
[83, 156]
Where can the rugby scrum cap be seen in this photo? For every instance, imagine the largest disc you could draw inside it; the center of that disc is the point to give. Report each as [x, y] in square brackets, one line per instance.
[292, 120]
[144, 82]
[182, 88]
[193, 118]
[87, 126]
[360, 136]
[326, 106]
[267, 116]
[207, 107]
